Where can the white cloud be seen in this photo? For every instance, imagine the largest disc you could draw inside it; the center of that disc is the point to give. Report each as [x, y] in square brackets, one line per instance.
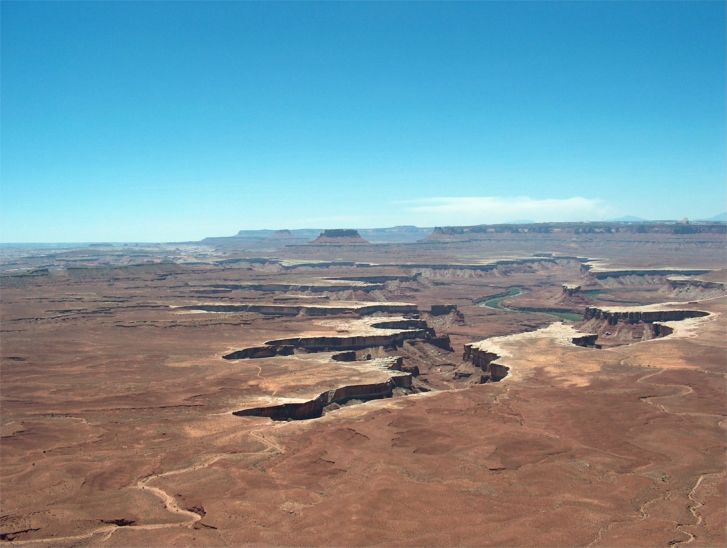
[500, 209]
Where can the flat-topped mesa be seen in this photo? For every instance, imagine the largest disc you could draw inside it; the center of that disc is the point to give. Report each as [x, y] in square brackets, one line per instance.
[339, 236]
[399, 383]
[616, 326]
[640, 314]
[372, 332]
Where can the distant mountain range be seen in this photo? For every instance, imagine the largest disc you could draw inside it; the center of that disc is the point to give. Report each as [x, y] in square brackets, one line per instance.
[394, 234]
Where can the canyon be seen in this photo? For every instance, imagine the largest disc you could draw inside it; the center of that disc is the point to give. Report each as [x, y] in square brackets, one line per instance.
[266, 388]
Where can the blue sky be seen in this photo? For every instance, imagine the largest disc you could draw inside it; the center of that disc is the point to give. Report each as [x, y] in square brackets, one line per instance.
[163, 121]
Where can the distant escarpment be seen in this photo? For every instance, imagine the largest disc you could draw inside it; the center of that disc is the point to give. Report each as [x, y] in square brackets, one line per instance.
[286, 235]
[480, 231]
[339, 236]
[693, 289]
[309, 310]
[322, 286]
[636, 315]
[602, 274]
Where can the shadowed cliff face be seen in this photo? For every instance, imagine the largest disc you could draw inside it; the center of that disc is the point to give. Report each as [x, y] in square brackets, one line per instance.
[411, 329]
[400, 383]
[613, 316]
[615, 327]
[491, 371]
[603, 274]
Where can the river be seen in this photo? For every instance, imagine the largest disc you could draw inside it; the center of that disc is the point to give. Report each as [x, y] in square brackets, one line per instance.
[495, 303]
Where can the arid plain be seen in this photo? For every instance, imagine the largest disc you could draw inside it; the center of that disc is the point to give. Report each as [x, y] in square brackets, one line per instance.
[549, 387]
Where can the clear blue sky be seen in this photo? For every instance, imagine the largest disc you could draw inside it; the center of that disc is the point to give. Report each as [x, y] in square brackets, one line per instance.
[163, 121]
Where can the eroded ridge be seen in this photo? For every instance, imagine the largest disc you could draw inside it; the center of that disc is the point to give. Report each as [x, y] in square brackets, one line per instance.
[363, 333]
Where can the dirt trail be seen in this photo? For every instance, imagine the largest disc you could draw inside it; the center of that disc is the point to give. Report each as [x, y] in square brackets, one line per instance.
[170, 502]
[694, 507]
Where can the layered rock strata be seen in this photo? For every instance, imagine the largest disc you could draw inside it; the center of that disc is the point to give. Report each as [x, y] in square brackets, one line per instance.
[491, 370]
[396, 331]
[640, 314]
[600, 272]
[312, 287]
[309, 409]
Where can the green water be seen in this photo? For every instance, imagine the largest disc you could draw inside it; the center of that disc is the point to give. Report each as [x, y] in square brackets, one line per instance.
[567, 316]
[594, 292]
[495, 303]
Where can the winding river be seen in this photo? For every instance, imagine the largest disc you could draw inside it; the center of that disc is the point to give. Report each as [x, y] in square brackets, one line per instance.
[495, 302]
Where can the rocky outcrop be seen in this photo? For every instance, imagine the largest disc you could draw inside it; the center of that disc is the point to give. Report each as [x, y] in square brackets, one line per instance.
[484, 360]
[692, 289]
[677, 283]
[339, 236]
[348, 356]
[441, 341]
[571, 289]
[630, 315]
[311, 409]
[408, 329]
[628, 325]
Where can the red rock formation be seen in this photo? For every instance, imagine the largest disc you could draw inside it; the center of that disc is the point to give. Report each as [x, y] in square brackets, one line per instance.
[486, 361]
[613, 316]
[316, 407]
